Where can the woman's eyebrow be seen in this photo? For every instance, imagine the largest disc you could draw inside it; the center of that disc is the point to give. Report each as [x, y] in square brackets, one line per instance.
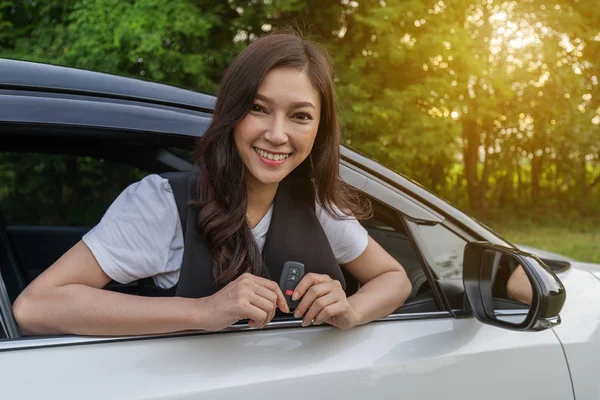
[299, 104]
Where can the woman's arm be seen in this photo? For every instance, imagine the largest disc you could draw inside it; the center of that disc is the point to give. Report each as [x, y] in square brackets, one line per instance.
[384, 283]
[384, 287]
[68, 298]
[518, 286]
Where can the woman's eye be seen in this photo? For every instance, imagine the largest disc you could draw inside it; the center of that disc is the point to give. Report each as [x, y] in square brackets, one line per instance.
[257, 108]
[303, 116]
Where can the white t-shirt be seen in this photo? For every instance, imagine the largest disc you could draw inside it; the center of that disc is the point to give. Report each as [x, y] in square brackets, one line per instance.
[140, 235]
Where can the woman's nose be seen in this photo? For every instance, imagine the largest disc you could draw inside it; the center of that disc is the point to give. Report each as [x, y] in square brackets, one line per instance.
[276, 132]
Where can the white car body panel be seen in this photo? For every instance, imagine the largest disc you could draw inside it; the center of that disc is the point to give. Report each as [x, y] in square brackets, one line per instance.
[545, 254]
[427, 359]
[579, 331]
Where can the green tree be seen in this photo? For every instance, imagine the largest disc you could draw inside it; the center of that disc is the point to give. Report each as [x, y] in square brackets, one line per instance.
[488, 102]
[503, 91]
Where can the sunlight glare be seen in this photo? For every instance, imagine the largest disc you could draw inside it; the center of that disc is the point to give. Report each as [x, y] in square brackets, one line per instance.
[499, 16]
[509, 35]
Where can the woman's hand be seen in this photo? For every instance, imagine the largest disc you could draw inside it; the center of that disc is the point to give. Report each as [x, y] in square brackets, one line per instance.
[323, 300]
[248, 297]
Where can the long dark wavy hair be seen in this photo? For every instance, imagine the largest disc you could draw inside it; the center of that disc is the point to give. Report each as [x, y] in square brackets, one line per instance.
[221, 189]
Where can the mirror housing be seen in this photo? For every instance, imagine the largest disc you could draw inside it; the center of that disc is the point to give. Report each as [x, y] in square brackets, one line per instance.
[548, 292]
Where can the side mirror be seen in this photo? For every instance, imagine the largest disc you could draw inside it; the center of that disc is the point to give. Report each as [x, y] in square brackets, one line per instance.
[510, 288]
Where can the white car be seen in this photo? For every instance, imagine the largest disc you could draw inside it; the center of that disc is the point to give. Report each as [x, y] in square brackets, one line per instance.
[71, 140]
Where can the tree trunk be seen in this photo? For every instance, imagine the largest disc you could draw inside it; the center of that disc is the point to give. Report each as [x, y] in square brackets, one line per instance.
[504, 186]
[555, 174]
[437, 175]
[471, 156]
[536, 172]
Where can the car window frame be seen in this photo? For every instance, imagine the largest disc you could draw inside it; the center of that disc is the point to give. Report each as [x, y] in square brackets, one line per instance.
[420, 239]
[429, 259]
[414, 226]
[6, 317]
[8, 325]
[369, 184]
[69, 340]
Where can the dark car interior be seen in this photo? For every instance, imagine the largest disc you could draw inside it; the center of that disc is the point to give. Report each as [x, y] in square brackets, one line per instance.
[53, 199]
[20, 264]
[59, 184]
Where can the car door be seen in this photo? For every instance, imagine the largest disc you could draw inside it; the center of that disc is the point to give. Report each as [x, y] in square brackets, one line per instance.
[424, 350]
[415, 358]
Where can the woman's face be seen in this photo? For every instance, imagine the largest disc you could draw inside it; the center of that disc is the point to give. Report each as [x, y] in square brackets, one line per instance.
[278, 132]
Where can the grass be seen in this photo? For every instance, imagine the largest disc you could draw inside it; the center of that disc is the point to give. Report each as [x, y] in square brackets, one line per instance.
[581, 246]
[578, 238]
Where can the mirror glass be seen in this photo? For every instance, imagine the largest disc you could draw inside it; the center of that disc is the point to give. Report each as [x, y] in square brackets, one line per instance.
[506, 288]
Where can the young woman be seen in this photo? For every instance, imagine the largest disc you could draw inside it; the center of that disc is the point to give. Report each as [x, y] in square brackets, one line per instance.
[274, 139]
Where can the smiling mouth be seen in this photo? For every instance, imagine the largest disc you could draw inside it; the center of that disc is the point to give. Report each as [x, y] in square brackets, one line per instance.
[271, 156]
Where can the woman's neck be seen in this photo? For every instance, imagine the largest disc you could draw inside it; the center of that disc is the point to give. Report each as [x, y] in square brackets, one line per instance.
[260, 198]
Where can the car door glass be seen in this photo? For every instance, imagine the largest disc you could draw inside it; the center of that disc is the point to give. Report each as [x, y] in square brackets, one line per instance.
[447, 249]
[387, 230]
[59, 189]
[51, 201]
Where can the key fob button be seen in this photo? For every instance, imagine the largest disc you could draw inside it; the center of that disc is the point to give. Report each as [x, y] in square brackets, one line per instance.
[293, 278]
[294, 271]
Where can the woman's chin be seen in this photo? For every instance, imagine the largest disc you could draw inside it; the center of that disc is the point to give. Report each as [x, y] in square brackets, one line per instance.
[268, 179]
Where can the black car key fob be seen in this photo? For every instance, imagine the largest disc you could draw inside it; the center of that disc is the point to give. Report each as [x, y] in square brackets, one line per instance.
[291, 274]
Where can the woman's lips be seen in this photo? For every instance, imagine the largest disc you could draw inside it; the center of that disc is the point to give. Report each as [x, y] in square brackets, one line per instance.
[263, 156]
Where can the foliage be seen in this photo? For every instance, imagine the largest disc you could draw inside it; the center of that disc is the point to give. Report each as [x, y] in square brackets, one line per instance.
[58, 189]
[505, 89]
[490, 103]
[150, 39]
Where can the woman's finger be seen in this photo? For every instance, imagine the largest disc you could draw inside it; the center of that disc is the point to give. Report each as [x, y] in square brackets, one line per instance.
[318, 305]
[313, 293]
[257, 315]
[264, 304]
[274, 287]
[328, 312]
[266, 293]
[307, 282]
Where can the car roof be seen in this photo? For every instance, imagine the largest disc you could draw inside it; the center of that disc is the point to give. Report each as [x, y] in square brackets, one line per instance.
[26, 75]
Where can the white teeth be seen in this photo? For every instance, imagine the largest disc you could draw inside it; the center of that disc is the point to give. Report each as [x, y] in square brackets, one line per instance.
[271, 156]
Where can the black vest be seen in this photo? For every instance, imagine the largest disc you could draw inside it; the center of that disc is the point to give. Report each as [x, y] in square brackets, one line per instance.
[295, 234]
